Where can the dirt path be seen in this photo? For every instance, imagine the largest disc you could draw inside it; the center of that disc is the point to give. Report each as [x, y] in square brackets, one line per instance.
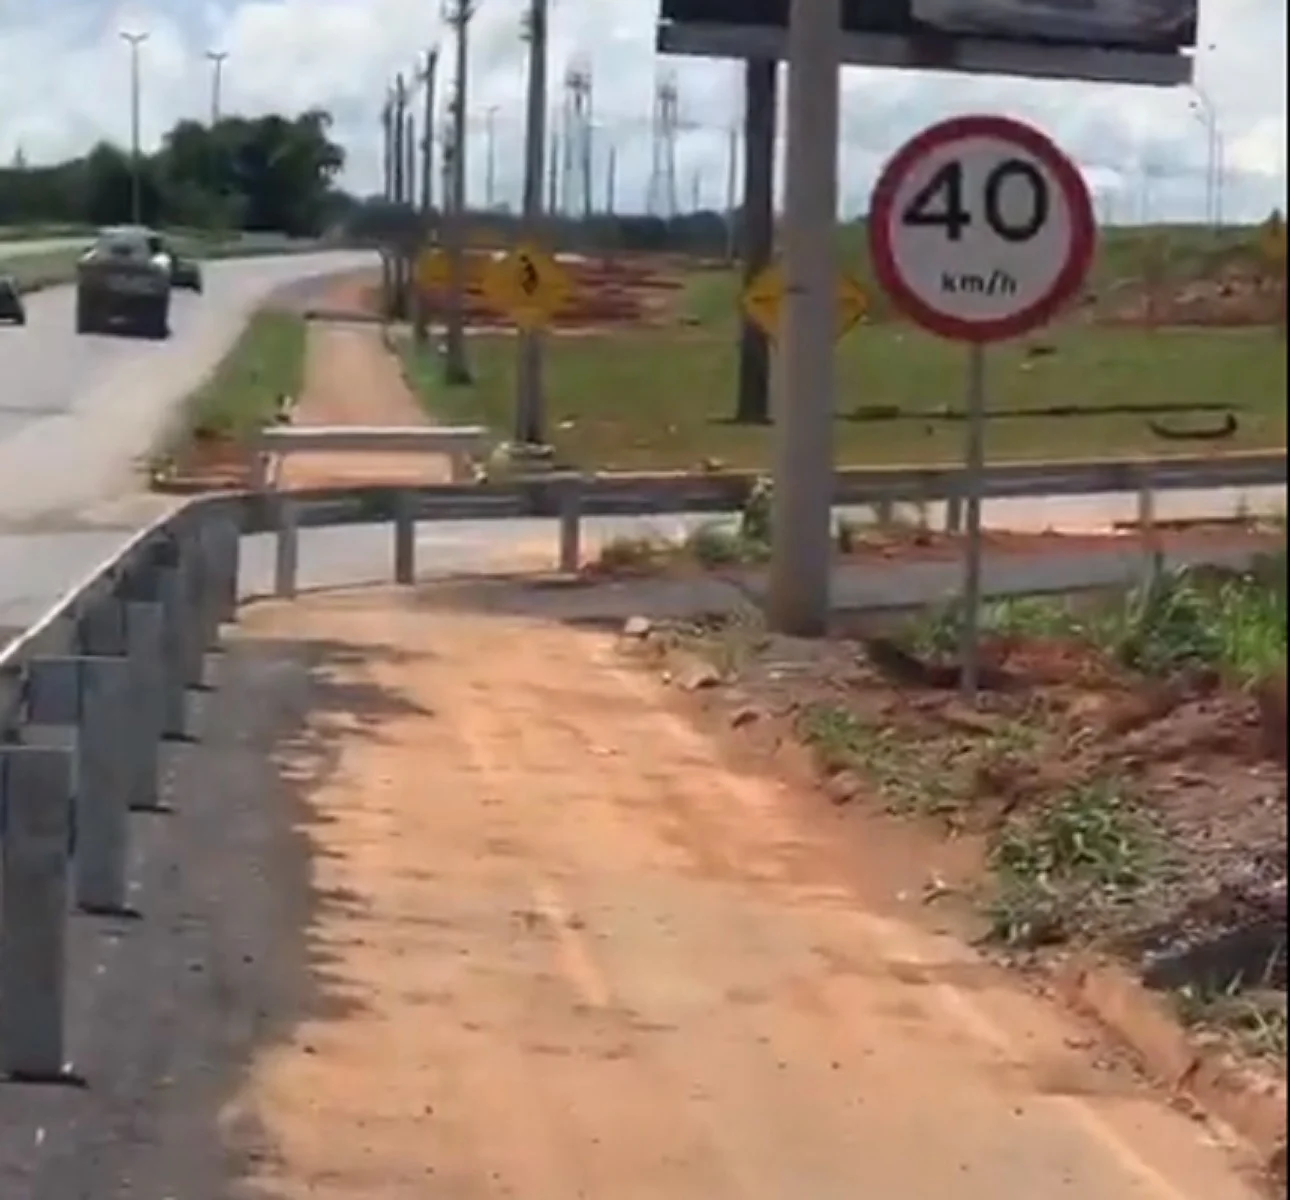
[351, 379]
[569, 952]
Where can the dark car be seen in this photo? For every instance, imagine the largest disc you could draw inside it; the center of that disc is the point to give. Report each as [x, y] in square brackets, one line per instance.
[12, 308]
[185, 273]
[123, 282]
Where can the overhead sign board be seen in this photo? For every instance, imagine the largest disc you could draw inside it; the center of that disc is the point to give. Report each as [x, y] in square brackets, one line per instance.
[981, 229]
[1165, 25]
[1129, 41]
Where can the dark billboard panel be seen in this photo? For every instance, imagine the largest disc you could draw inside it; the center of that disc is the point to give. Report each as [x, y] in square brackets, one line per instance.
[1141, 24]
[1161, 26]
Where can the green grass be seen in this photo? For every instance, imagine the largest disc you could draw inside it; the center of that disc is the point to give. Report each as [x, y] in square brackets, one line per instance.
[1235, 624]
[39, 233]
[1125, 252]
[266, 362]
[647, 400]
[661, 399]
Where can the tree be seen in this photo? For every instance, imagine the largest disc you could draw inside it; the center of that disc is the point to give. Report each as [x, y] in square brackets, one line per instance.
[272, 173]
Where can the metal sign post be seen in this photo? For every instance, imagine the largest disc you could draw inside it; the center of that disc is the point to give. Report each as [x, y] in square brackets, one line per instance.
[980, 229]
[974, 470]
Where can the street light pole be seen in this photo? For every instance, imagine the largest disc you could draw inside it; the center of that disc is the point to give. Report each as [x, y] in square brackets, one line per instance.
[456, 370]
[428, 78]
[216, 59]
[530, 403]
[490, 183]
[134, 41]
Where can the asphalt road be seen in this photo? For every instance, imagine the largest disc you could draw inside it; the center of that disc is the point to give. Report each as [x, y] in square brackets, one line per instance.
[75, 412]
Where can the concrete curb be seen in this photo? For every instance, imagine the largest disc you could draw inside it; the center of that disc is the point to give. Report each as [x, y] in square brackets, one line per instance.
[1250, 1102]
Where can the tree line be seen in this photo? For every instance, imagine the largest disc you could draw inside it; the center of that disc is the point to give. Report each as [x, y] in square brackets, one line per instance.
[261, 174]
[379, 221]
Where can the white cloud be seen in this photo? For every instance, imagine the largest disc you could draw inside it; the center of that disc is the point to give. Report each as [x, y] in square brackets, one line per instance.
[64, 83]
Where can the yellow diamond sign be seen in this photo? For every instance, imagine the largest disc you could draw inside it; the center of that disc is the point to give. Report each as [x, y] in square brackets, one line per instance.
[528, 285]
[763, 301]
[434, 270]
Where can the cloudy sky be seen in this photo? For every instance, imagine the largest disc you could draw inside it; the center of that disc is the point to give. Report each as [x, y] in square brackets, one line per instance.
[64, 84]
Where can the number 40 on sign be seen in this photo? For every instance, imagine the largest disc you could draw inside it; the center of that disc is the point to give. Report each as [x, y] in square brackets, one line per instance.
[981, 229]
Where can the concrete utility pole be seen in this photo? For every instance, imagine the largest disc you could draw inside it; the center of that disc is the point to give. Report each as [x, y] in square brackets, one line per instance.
[752, 405]
[530, 403]
[410, 160]
[135, 40]
[387, 147]
[387, 191]
[456, 370]
[732, 190]
[400, 186]
[398, 160]
[553, 204]
[216, 59]
[798, 599]
[490, 181]
[427, 130]
[420, 300]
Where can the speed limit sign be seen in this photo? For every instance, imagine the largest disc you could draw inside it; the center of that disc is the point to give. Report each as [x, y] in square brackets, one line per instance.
[981, 229]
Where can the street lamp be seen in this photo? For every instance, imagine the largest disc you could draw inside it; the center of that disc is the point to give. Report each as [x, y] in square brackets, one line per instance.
[134, 41]
[216, 59]
[1204, 110]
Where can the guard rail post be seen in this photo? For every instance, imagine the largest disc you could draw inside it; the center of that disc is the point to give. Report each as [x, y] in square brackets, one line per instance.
[36, 798]
[217, 548]
[286, 557]
[172, 595]
[114, 731]
[141, 637]
[1152, 558]
[570, 493]
[405, 538]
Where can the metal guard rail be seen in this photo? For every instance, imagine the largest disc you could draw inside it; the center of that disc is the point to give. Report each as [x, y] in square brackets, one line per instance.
[89, 693]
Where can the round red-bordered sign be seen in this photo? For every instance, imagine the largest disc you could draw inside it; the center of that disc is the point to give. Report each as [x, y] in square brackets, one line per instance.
[981, 229]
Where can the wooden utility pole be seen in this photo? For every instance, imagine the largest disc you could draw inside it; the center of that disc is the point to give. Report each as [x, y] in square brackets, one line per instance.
[456, 369]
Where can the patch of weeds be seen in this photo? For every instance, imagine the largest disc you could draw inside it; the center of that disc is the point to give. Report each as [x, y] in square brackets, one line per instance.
[1088, 848]
[1254, 1017]
[755, 519]
[938, 632]
[909, 779]
[635, 554]
[715, 544]
[735, 641]
[1190, 618]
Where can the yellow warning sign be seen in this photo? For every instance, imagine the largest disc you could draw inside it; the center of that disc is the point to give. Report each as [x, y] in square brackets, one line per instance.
[434, 270]
[528, 285]
[763, 301]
